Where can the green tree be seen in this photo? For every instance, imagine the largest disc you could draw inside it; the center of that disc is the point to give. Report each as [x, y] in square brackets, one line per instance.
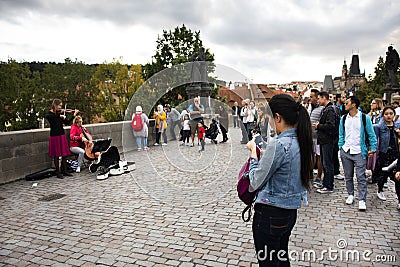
[173, 48]
[20, 100]
[71, 82]
[374, 87]
[117, 84]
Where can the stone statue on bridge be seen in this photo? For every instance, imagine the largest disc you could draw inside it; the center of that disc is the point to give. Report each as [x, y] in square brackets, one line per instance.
[198, 76]
[392, 65]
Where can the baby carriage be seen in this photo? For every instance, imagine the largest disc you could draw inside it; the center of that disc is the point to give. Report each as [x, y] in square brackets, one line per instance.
[213, 131]
[107, 160]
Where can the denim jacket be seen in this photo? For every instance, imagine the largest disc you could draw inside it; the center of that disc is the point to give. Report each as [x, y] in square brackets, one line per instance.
[277, 175]
[383, 135]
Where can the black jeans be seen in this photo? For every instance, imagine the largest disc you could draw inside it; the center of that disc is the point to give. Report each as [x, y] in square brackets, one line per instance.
[327, 151]
[336, 165]
[272, 227]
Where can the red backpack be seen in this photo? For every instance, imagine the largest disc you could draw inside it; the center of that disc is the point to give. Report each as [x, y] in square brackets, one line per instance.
[137, 123]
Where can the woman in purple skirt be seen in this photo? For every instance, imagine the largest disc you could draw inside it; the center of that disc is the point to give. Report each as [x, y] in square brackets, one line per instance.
[58, 144]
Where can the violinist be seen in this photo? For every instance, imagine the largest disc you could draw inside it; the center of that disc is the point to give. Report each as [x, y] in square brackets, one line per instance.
[58, 144]
[77, 140]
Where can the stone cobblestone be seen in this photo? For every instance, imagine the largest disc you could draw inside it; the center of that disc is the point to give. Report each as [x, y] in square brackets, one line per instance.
[169, 213]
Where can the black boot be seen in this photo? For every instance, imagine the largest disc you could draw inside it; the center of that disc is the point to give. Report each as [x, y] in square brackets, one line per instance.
[64, 168]
[57, 166]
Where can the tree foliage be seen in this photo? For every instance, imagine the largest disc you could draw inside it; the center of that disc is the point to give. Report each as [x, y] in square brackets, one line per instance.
[175, 47]
[28, 89]
[374, 87]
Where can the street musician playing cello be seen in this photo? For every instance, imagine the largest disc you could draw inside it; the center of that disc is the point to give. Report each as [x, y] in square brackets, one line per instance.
[80, 141]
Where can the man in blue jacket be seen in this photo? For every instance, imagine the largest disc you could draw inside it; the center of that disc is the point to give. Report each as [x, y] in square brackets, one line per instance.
[357, 141]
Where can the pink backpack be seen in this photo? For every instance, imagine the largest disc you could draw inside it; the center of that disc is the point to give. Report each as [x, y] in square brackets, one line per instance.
[243, 188]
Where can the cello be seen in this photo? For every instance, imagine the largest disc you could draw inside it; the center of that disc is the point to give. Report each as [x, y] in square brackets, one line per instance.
[88, 144]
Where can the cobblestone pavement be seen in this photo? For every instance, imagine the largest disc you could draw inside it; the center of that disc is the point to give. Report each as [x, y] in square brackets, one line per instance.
[180, 208]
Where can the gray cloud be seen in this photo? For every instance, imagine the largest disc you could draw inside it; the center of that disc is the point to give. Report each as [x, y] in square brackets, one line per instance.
[119, 12]
[257, 33]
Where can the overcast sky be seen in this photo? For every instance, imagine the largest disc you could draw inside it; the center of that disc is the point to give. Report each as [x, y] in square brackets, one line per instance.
[274, 41]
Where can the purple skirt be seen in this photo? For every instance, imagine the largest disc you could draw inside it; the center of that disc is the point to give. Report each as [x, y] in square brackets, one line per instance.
[58, 146]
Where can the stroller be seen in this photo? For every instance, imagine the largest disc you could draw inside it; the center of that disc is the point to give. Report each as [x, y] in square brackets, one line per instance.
[108, 160]
[213, 131]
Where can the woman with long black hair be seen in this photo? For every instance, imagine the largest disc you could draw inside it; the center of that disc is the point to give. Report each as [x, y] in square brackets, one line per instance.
[282, 178]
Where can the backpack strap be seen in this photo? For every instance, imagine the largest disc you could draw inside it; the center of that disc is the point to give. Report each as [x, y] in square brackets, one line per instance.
[366, 136]
[248, 210]
[364, 121]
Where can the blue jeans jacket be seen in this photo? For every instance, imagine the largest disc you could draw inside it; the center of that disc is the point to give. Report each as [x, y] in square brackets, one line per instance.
[277, 175]
[382, 134]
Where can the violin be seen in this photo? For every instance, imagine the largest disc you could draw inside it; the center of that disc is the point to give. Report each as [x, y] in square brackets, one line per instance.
[68, 110]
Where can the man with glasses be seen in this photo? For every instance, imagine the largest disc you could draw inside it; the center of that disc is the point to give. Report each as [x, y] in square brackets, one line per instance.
[357, 141]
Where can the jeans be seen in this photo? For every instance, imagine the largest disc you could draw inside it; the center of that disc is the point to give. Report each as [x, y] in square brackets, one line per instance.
[243, 127]
[158, 135]
[171, 127]
[327, 156]
[349, 163]
[164, 136]
[235, 121]
[80, 152]
[336, 165]
[139, 140]
[272, 227]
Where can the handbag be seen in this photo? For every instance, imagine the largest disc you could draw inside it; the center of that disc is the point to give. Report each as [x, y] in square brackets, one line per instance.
[243, 188]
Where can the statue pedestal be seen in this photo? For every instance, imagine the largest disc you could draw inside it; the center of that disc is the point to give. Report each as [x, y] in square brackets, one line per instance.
[388, 92]
[193, 91]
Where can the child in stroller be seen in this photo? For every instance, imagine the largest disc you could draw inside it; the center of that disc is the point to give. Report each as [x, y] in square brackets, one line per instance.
[213, 131]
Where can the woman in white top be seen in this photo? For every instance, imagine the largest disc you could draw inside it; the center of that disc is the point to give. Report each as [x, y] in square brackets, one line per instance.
[251, 118]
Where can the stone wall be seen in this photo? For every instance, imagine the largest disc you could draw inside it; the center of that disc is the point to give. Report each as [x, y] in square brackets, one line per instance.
[25, 152]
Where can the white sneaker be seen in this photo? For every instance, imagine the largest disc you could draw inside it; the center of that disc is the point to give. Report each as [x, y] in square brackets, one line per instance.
[398, 206]
[385, 185]
[350, 200]
[164, 144]
[339, 177]
[385, 169]
[381, 196]
[361, 205]
[78, 169]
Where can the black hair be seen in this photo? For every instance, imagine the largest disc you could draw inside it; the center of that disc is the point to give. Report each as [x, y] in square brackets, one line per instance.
[294, 114]
[388, 107]
[324, 94]
[315, 91]
[55, 103]
[355, 100]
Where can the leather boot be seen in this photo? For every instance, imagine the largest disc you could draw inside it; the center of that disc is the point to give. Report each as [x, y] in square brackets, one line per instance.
[57, 166]
[64, 168]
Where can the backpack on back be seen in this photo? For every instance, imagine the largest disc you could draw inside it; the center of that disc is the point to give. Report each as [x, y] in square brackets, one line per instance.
[364, 120]
[137, 123]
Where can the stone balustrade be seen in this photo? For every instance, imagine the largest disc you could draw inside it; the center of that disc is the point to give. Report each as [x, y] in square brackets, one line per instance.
[25, 152]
